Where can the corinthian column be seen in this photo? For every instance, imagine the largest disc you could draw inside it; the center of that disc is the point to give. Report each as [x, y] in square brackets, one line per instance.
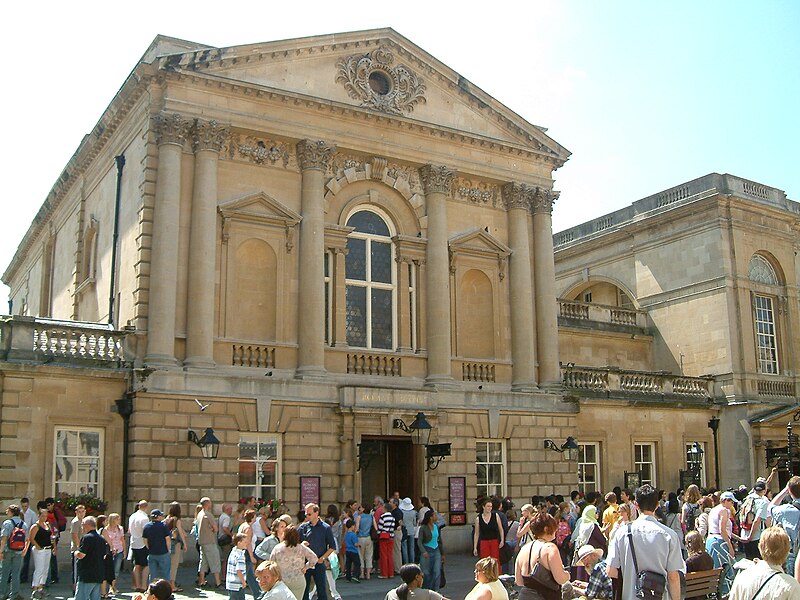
[313, 157]
[209, 138]
[544, 275]
[171, 132]
[437, 181]
[517, 200]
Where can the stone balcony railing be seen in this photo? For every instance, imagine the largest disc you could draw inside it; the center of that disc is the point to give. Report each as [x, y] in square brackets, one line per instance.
[30, 339]
[612, 382]
[600, 313]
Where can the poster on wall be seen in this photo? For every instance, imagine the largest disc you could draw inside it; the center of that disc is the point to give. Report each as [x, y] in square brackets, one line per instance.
[309, 490]
[457, 494]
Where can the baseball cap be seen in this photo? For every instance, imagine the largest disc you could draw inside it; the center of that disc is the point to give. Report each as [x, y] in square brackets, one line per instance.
[156, 513]
[760, 486]
[728, 496]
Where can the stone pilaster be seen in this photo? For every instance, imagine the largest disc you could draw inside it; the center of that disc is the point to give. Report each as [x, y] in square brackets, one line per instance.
[437, 181]
[313, 156]
[209, 138]
[544, 275]
[171, 131]
[517, 199]
[404, 303]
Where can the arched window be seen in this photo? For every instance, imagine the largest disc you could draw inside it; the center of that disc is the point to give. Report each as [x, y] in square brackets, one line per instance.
[370, 281]
[761, 271]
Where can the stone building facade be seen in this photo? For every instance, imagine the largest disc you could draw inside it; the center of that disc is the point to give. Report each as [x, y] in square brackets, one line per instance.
[697, 281]
[313, 238]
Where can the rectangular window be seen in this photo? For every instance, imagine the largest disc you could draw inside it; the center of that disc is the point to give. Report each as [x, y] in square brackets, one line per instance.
[702, 463]
[587, 297]
[490, 467]
[589, 467]
[77, 463]
[766, 340]
[644, 459]
[260, 466]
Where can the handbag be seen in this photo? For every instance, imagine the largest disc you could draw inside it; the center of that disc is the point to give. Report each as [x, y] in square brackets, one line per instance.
[506, 553]
[648, 583]
[541, 579]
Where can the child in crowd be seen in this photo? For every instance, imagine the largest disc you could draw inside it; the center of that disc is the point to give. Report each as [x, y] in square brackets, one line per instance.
[235, 581]
[352, 561]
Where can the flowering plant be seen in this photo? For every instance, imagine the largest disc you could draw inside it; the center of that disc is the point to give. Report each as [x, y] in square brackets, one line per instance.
[260, 503]
[67, 503]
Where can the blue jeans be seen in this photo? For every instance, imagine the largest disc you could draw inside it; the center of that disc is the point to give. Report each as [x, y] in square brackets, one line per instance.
[10, 568]
[250, 576]
[318, 573]
[87, 591]
[118, 558]
[159, 566]
[431, 569]
[407, 548]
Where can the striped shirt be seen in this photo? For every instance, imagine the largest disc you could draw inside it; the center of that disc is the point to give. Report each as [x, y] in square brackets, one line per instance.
[387, 524]
[235, 563]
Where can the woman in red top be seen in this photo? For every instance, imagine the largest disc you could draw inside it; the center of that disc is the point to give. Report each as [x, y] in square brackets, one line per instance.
[489, 535]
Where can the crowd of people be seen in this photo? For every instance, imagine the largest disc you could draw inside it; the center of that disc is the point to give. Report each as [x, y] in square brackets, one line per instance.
[558, 548]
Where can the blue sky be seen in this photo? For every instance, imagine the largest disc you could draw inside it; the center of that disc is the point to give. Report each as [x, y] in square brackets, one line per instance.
[645, 95]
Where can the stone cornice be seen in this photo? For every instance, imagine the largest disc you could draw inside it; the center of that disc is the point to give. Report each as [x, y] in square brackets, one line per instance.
[314, 154]
[437, 179]
[364, 42]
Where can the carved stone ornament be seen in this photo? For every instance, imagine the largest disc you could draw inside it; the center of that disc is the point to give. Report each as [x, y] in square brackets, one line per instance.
[543, 200]
[258, 151]
[209, 135]
[314, 154]
[517, 195]
[437, 179]
[171, 128]
[373, 80]
[478, 192]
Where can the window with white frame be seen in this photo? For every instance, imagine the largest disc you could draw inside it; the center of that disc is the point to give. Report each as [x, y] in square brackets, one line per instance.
[766, 339]
[644, 461]
[260, 466]
[490, 467]
[702, 464]
[77, 461]
[370, 282]
[589, 467]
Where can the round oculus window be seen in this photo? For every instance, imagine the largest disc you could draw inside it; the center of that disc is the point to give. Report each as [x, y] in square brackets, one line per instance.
[379, 83]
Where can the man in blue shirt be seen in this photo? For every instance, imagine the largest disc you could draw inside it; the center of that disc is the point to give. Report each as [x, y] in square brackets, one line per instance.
[319, 536]
[157, 541]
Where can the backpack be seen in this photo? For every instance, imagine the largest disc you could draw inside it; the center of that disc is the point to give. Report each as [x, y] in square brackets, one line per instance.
[562, 533]
[747, 513]
[16, 541]
[691, 516]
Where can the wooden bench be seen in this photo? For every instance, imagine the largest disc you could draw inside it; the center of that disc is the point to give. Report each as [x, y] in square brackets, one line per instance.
[704, 584]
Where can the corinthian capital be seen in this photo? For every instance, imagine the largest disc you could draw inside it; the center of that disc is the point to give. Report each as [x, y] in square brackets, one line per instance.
[314, 154]
[543, 200]
[437, 179]
[209, 135]
[517, 195]
[171, 128]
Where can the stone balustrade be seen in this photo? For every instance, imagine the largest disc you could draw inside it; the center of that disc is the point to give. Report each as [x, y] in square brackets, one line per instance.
[611, 381]
[600, 313]
[362, 363]
[252, 355]
[478, 371]
[775, 388]
[51, 341]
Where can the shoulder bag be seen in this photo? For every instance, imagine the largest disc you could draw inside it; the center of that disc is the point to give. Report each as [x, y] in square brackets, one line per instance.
[648, 583]
[539, 578]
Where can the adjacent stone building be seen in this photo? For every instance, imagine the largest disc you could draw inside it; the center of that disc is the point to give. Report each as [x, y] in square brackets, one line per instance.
[697, 281]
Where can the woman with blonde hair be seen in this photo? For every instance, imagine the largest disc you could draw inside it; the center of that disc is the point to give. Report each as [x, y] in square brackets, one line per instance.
[115, 536]
[524, 530]
[624, 511]
[691, 508]
[767, 579]
[699, 559]
[488, 586]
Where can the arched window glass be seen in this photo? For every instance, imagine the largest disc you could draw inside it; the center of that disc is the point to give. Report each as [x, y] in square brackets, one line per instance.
[370, 281]
[761, 271]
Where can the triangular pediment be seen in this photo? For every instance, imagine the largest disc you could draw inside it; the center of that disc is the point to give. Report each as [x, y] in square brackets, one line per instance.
[378, 71]
[259, 207]
[478, 242]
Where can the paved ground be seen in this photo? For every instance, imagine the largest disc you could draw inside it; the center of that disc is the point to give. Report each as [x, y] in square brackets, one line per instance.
[459, 570]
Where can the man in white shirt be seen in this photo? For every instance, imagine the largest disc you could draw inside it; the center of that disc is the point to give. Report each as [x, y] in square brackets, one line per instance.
[225, 531]
[659, 549]
[138, 551]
